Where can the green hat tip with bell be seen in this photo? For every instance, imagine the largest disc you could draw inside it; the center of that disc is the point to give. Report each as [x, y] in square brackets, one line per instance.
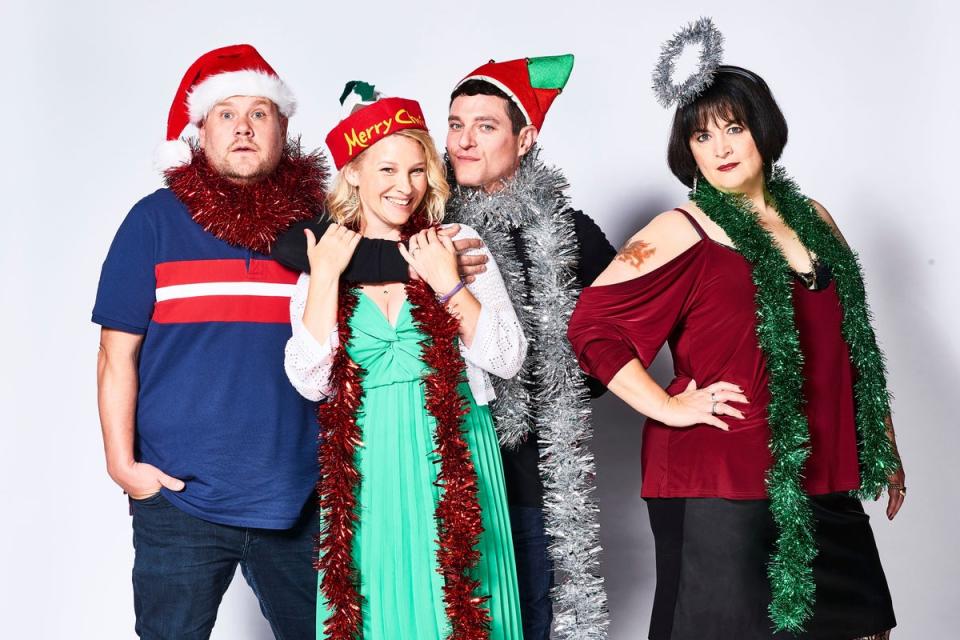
[364, 91]
[550, 72]
[357, 94]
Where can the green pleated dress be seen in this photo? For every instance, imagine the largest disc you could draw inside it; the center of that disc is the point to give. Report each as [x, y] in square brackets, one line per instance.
[395, 541]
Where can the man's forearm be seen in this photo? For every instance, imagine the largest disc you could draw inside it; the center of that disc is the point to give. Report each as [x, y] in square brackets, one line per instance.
[117, 387]
[373, 260]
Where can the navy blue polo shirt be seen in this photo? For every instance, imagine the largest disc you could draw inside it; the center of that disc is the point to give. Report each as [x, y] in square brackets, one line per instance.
[214, 407]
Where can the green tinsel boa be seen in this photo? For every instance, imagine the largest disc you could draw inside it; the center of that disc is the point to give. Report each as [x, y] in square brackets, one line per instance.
[790, 572]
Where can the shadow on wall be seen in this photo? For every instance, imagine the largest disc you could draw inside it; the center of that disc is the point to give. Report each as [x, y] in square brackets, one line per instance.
[923, 374]
[634, 211]
[628, 563]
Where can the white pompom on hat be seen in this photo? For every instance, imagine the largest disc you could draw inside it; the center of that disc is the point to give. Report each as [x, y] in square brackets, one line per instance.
[237, 70]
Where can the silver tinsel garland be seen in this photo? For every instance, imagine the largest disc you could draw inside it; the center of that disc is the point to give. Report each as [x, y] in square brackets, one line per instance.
[549, 394]
[670, 92]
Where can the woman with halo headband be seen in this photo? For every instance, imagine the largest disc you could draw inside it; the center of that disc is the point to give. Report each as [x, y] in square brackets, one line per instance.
[778, 414]
[415, 540]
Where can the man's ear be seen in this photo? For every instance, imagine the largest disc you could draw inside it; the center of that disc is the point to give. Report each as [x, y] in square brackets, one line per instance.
[284, 120]
[202, 136]
[526, 139]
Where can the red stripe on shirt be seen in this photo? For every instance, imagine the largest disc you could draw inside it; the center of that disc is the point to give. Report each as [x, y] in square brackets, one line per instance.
[268, 309]
[197, 271]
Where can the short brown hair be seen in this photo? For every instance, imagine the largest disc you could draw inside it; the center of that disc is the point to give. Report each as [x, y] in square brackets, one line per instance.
[477, 87]
[736, 95]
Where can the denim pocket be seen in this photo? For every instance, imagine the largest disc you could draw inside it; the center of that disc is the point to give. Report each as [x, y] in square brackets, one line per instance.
[149, 500]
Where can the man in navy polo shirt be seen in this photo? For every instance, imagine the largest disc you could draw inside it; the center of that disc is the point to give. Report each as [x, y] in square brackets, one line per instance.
[200, 425]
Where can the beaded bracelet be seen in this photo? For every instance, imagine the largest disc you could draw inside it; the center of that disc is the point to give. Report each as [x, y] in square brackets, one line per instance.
[445, 298]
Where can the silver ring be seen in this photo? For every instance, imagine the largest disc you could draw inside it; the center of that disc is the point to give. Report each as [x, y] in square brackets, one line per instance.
[713, 397]
[713, 409]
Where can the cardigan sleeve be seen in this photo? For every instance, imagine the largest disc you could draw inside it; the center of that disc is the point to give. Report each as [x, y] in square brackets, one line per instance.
[306, 360]
[499, 345]
[614, 324]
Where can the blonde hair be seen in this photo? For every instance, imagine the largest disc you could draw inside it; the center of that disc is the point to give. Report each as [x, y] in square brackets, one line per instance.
[343, 204]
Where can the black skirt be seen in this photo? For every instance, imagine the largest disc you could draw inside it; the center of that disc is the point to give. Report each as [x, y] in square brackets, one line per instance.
[712, 584]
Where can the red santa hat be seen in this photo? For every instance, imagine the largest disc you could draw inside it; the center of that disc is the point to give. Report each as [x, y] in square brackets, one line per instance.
[531, 83]
[237, 70]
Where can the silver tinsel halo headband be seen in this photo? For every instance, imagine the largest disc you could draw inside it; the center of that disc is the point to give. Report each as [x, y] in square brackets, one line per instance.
[704, 32]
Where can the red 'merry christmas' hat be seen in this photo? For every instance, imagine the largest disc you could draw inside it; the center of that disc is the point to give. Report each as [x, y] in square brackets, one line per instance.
[237, 70]
[532, 83]
[370, 118]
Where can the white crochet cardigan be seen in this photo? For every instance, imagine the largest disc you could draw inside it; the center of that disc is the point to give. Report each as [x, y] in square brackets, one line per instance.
[499, 345]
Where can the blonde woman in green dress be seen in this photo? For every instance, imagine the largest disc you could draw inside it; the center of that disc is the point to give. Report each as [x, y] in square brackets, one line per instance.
[397, 585]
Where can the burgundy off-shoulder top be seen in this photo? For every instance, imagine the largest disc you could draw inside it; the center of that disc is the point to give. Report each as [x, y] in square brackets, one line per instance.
[702, 304]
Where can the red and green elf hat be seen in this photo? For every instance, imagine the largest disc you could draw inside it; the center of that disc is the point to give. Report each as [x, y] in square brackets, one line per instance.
[371, 118]
[532, 83]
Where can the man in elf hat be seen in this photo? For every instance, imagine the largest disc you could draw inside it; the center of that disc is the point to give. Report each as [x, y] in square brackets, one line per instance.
[201, 428]
[548, 252]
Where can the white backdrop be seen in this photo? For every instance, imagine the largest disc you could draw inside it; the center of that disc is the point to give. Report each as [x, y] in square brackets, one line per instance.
[870, 93]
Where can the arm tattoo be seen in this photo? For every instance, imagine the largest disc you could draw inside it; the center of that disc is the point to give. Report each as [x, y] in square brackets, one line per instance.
[636, 253]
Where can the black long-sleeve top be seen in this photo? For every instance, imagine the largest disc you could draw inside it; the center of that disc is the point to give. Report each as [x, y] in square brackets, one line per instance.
[520, 465]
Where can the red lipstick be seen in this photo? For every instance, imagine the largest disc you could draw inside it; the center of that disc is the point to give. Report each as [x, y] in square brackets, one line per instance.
[728, 167]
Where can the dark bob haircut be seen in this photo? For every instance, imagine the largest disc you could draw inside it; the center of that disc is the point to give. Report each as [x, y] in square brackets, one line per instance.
[736, 95]
[477, 87]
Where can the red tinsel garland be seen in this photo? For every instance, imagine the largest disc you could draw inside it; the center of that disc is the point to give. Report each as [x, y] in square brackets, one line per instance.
[251, 216]
[458, 512]
[337, 487]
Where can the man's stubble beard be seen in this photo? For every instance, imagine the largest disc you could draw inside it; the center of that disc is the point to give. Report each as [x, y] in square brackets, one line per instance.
[252, 175]
[259, 174]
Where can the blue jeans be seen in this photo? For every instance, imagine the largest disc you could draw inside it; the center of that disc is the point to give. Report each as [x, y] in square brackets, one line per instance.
[183, 566]
[534, 571]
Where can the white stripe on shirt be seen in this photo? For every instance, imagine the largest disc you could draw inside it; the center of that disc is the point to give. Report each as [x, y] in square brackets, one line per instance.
[198, 289]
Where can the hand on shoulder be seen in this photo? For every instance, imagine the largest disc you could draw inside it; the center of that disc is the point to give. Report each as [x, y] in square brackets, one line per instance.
[471, 258]
[666, 236]
[433, 257]
[330, 254]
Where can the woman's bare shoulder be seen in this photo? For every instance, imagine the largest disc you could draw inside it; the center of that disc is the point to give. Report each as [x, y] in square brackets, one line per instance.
[665, 237]
[823, 213]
